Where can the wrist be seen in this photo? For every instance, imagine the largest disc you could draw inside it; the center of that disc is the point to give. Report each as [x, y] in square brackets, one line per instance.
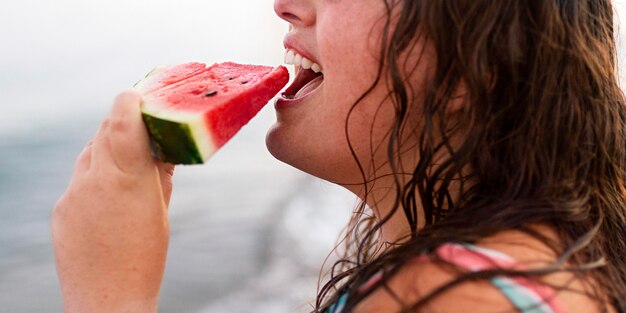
[103, 301]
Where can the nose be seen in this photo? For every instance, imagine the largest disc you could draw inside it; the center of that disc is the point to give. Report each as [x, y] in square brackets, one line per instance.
[299, 13]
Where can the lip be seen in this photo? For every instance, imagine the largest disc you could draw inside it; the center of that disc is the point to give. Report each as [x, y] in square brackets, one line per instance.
[282, 102]
[291, 43]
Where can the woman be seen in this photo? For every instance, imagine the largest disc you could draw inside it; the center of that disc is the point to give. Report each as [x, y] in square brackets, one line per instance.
[487, 137]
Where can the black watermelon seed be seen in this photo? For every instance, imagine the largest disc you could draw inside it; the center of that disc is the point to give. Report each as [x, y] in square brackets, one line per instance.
[210, 93]
[244, 82]
[231, 78]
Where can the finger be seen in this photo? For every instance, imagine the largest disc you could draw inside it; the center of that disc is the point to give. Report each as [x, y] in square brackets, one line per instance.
[83, 161]
[100, 151]
[128, 137]
[166, 173]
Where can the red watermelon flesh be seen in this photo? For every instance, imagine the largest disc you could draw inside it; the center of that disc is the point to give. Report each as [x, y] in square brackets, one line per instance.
[164, 76]
[192, 110]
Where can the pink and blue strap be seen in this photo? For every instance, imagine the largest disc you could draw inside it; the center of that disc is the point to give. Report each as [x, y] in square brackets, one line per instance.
[526, 295]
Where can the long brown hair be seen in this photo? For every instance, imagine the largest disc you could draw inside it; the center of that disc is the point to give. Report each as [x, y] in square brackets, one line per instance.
[543, 133]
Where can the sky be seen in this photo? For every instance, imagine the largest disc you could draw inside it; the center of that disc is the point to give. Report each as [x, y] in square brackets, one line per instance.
[60, 58]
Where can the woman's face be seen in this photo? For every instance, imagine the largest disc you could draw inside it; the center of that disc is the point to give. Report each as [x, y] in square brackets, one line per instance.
[343, 38]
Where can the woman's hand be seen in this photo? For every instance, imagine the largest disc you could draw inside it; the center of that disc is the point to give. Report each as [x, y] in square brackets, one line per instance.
[110, 228]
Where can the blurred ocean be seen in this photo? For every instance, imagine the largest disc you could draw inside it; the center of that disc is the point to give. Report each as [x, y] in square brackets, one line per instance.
[249, 233]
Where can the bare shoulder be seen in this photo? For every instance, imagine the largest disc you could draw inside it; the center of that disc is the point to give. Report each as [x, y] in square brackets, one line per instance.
[532, 254]
[417, 280]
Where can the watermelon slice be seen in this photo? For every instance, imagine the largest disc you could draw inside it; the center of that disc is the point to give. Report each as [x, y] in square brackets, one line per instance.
[192, 110]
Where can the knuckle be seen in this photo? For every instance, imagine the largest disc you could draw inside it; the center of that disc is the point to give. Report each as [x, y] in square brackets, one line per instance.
[60, 207]
[84, 155]
[118, 125]
[59, 204]
[105, 123]
[169, 170]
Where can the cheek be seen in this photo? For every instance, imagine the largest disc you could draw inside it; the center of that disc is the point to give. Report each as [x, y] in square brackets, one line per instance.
[349, 47]
[312, 137]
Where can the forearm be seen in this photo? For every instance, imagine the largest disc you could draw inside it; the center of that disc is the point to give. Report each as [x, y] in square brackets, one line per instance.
[104, 304]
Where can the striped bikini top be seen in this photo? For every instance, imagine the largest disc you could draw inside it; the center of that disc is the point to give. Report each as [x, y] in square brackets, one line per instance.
[525, 295]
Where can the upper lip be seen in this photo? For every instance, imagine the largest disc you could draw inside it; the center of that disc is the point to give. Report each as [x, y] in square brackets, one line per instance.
[291, 43]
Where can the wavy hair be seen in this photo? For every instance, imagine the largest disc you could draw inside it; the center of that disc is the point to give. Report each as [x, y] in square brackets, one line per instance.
[543, 141]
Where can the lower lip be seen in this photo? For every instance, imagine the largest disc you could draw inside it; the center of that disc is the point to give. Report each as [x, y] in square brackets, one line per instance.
[283, 102]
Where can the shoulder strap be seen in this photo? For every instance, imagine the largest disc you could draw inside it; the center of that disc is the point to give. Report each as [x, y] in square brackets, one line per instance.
[526, 295]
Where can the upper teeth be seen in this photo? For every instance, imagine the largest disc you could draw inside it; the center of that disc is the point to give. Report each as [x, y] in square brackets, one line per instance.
[292, 57]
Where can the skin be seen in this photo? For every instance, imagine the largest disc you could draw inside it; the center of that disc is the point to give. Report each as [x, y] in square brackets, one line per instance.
[348, 72]
[110, 228]
[350, 59]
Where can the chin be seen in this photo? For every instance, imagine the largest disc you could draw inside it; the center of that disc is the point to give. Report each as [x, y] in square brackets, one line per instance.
[340, 169]
[272, 142]
[282, 145]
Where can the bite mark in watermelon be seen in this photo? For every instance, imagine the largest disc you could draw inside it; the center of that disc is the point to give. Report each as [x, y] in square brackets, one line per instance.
[192, 110]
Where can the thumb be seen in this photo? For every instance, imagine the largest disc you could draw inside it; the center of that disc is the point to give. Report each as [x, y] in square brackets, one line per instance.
[128, 136]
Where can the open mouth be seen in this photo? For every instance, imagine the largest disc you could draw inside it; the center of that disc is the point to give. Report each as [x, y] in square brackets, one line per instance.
[306, 81]
[309, 76]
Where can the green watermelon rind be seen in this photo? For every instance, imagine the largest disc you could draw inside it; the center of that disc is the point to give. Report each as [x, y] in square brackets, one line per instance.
[172, 142]
[177, 136]
[158, 69]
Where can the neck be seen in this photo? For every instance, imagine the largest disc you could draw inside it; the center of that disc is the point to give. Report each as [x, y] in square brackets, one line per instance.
[381, 199]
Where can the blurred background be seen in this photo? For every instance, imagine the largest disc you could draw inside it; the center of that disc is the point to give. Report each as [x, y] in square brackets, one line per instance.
[249, 234]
